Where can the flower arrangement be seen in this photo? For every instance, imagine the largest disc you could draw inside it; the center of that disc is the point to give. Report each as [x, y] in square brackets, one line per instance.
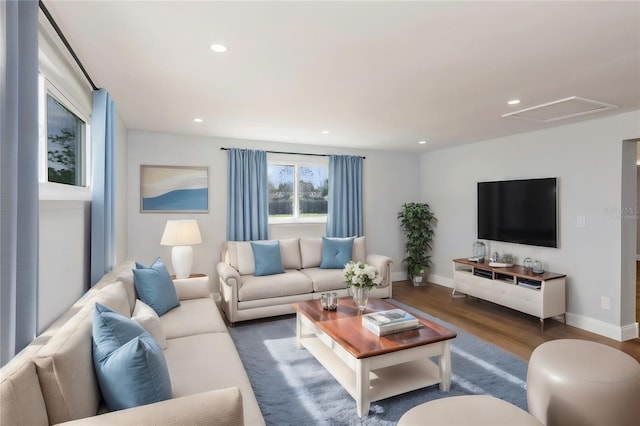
[358, 274]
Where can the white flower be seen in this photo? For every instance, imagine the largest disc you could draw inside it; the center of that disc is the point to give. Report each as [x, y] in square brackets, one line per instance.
[359, 274]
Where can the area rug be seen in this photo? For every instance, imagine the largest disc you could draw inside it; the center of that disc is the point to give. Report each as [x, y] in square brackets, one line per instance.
[292, 388]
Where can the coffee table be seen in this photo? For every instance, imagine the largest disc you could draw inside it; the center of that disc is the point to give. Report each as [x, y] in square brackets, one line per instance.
[371, 367]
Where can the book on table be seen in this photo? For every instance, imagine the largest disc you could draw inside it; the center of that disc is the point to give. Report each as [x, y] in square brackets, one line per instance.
[390, 321]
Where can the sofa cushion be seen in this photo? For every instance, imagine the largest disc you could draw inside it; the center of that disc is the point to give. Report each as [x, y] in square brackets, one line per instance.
[290, 250]
[241, 257]
[155, 287]
[129, 364]
[287, 284]
[65, 370]
[149, 320]
[195, 316]
[325, 279]
[20, 394]
[336, 252]
[268, 260]
[359, 250]
[193, 369]
[310, 252]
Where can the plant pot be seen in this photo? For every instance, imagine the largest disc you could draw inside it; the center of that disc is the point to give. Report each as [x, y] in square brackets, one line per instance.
[417, 281]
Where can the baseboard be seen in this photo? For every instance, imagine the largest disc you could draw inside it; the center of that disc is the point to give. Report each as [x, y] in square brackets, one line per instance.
[638, 257]
[619, 333]
[439, 279]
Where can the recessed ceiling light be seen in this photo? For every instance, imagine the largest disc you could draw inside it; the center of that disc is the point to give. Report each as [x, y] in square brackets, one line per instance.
[218, 48]
[422, 142]
[198, 120]
[514, 102]
[325, 132]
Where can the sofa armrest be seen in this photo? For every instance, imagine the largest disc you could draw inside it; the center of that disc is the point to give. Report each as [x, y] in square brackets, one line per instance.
[383, 265]
[192, 288]
[228, 274]
[221, 407]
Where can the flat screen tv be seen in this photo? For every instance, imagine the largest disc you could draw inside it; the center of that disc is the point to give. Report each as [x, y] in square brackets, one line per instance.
[519, 211]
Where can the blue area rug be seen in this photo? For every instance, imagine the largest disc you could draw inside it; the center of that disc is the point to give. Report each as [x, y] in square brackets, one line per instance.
[292, 388]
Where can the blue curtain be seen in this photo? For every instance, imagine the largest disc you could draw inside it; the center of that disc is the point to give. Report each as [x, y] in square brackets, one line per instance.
[247, 195]
[344, 218]
[18, 176]
[102, 229]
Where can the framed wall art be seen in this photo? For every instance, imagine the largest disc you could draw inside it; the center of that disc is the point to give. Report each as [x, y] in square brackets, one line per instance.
[174, 189]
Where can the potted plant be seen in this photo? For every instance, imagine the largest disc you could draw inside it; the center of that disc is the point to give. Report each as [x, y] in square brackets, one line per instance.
[417, 222]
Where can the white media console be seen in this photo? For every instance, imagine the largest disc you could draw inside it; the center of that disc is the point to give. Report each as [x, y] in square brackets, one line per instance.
[541, 295]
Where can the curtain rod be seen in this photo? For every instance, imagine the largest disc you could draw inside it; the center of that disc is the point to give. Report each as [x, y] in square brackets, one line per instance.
[295, 153]
[66, 43]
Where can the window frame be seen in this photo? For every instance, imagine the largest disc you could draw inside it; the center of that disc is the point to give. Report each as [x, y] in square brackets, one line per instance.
[54, 190]
[297, 161]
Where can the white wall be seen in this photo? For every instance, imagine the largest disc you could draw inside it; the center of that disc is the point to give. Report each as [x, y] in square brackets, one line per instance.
[63, 273]
[586, 159]
[390, 179]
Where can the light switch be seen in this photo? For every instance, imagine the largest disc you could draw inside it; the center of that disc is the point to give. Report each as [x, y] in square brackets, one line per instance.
[581, 222]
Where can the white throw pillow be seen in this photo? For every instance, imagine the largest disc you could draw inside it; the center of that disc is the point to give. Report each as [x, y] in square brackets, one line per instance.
[148, 319]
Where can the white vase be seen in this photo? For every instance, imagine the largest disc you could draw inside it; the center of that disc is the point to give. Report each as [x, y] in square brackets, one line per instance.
[360, 297]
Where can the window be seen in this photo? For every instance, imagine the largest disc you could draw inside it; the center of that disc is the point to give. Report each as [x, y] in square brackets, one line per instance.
[298, 190]
[64, 150]
[65, 145]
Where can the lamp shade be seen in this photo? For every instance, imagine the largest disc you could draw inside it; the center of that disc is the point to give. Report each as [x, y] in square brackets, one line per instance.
[181, 233]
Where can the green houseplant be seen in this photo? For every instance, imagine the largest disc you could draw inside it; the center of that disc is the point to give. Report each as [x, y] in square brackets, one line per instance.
[417, 222]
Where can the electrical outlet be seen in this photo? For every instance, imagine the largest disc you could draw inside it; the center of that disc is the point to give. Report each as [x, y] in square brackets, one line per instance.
[605, 303]
[581, 222]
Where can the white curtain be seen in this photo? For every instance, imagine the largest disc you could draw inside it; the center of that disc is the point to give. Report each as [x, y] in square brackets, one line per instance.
[18, 175]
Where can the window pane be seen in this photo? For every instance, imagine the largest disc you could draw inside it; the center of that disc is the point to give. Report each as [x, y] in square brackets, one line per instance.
[281, 195]
[64, 144]
[313, 185]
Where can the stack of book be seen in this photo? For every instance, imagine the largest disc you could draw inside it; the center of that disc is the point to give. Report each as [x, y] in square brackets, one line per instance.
[391, 321]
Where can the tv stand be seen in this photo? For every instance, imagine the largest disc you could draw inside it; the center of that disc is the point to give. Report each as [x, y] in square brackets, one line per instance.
[541, 295]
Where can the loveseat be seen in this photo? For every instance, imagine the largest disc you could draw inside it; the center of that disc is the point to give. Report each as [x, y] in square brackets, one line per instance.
[246, 295]
[53, 379]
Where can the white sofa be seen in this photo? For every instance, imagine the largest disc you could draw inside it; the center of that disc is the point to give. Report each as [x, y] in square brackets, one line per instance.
[244, 296]
[53, 381]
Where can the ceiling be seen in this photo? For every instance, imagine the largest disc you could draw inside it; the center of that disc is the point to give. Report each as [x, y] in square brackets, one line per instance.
[376, 75]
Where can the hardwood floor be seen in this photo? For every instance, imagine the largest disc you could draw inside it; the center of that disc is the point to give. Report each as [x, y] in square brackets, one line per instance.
[510, 330]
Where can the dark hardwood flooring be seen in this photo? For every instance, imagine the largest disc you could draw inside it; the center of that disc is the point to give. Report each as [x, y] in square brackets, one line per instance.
[510, 330]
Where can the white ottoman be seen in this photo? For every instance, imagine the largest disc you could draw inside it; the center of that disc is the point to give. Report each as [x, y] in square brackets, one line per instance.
[578, 382]
[471, 410]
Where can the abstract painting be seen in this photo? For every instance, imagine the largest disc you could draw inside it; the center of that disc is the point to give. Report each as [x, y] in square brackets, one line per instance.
[174, 189]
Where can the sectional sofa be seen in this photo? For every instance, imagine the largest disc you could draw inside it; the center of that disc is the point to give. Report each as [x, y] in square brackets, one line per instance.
[53, 381]
[246, 295]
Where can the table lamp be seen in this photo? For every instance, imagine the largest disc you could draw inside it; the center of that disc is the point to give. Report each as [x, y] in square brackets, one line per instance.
[181, 234]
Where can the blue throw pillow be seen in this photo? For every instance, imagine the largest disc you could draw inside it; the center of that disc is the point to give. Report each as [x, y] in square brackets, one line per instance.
[336, 252]
[111, 330]
[155, 286]
[268, 259]
[129, 364]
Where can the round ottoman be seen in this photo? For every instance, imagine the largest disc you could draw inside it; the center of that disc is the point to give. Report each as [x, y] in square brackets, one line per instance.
[577, 382]
[467, 411]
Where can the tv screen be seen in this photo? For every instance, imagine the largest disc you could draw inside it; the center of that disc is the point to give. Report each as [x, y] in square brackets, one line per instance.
[519, 211]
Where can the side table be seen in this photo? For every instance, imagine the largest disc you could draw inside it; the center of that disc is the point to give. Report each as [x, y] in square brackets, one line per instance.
[192, 285]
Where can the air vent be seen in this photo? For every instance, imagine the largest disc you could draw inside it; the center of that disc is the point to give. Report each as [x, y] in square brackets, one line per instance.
[573, 106]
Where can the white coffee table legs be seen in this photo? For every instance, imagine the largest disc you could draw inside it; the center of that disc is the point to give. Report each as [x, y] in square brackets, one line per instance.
[362, 387]
[444, 364]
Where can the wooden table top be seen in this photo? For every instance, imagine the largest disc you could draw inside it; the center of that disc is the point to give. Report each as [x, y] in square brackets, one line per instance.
[345, 327]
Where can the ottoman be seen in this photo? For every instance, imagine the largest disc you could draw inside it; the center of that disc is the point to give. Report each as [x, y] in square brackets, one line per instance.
[577, 382]
[470, 410]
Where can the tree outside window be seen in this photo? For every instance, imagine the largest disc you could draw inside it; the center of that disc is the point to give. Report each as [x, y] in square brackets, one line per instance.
[64, 145]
